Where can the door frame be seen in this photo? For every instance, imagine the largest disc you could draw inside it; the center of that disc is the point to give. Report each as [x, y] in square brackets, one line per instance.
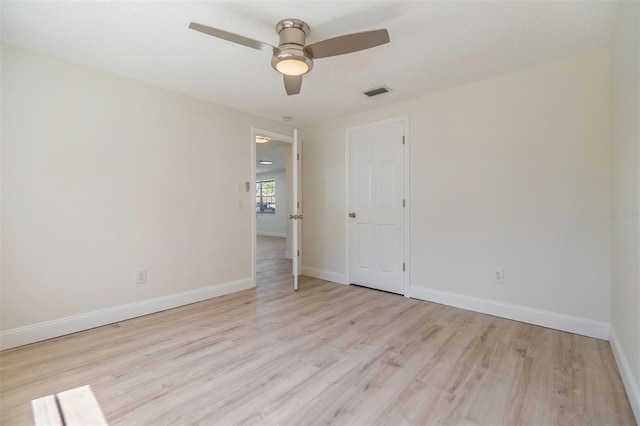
[255, 131]
[404, 119]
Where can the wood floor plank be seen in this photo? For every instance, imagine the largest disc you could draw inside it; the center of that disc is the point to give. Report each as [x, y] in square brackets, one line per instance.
[326, 354]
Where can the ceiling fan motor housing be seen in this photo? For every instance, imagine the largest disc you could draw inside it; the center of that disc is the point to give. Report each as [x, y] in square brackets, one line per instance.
[293, 34]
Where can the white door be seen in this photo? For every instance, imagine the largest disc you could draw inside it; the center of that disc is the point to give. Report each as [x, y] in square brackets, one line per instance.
[376, 206]
[296, 214]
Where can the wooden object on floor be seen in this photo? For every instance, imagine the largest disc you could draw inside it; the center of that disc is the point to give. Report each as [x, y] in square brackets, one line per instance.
[75, 407]
[326, 354]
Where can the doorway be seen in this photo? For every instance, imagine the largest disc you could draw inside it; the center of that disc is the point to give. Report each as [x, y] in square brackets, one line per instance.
[275, 224]
[273, 229]
[377, 205]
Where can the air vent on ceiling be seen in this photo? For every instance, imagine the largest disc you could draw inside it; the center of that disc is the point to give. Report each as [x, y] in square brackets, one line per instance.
[377, 91]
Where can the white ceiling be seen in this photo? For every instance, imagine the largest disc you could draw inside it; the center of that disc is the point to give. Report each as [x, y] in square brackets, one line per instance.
[434, 45]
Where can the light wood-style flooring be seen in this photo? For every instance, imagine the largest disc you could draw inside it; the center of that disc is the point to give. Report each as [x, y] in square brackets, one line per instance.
[272, 269]
[326, 354]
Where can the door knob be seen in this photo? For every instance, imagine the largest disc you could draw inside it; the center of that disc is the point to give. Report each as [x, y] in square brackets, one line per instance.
[352, 215]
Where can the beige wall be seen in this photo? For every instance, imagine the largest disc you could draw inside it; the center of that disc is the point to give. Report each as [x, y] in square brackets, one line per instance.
[102, 175]
[509, 172]
[625, 194]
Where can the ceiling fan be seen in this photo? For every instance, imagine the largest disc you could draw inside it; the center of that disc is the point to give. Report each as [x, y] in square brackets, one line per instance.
[293, 58]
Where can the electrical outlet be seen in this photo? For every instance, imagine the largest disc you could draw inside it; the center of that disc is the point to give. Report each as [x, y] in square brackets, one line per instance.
[141, 276]
[498, 275]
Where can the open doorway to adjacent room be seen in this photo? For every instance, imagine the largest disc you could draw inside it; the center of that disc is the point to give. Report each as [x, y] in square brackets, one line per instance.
[274, 191]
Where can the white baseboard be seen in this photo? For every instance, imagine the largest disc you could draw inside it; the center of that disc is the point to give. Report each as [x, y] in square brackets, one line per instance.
[572, 324]
[59, 327]
[271, 234]
[324, 275]
[630, 384]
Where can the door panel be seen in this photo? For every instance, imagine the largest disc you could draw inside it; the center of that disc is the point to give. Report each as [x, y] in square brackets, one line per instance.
[365, 245]
[387, 184]
[387, 237]
[376, 197]
[296, 214]
[364, 190]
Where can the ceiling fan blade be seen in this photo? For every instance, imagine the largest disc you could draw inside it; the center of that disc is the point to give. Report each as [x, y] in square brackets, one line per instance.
[234, 38]
[348, 43]
[292, 84]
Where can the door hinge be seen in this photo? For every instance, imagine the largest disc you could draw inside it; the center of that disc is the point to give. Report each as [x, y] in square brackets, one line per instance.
[404, 203]
[298, 156]
[402, 139]
[403, 267]
[298, 204]
[298, 253]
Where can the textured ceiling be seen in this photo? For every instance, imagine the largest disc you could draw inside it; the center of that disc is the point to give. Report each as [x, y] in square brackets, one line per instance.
[434, 45]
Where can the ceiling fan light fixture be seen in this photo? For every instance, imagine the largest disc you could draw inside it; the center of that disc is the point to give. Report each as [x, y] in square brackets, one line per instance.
[292, 62]
[293, 57]
[266, 162]
[262, 139]
[292, 66]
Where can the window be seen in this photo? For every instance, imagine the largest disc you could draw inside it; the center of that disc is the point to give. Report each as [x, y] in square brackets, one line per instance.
[266, 196]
